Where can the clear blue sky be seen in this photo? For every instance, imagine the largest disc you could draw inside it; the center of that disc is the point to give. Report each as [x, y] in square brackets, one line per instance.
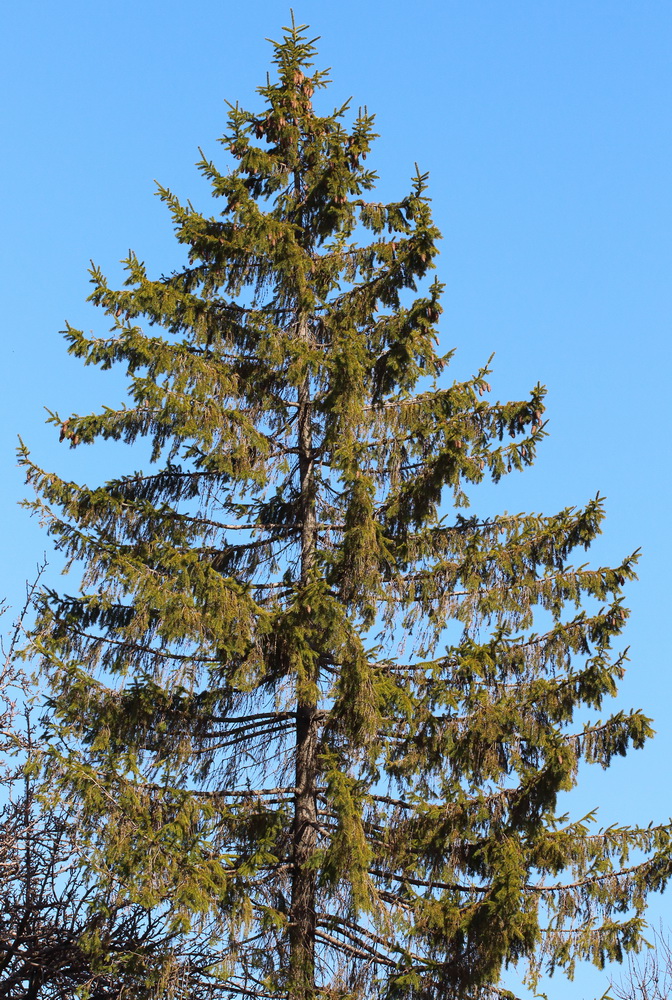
[547, 130]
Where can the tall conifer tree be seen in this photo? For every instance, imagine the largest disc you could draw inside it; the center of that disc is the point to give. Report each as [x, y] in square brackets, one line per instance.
[247, 743]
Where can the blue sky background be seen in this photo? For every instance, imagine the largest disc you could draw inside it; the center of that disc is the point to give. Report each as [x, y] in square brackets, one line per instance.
[546, 127]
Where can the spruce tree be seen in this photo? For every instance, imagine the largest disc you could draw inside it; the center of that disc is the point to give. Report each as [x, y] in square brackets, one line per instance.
[250, 744]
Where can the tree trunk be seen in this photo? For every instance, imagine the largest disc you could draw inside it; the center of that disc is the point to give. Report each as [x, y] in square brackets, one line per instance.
[302, 914]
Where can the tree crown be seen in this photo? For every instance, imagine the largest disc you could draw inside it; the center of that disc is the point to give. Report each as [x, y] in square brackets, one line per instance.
[246, 744]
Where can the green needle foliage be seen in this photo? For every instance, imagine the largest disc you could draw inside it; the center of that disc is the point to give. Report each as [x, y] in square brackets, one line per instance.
[249, 749]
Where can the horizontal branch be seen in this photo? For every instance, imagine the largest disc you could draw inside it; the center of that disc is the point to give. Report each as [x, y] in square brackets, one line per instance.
[247, 792]
[359, 952]
[429, 884]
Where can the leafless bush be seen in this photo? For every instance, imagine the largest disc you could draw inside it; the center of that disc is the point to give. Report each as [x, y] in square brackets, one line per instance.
[648, 976]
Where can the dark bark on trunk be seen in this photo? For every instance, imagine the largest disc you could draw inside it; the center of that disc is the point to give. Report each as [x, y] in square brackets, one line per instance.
[304, 879]
[303, 919]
